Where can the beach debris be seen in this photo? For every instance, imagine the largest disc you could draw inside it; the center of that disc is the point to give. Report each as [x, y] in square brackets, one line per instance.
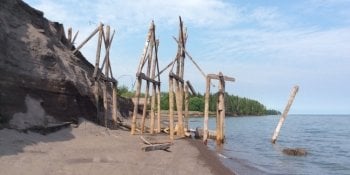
[199, 133]
[284, 114]
[295, 151]
[153, 145]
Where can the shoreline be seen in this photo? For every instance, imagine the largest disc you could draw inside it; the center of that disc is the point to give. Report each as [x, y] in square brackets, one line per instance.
[91, 149]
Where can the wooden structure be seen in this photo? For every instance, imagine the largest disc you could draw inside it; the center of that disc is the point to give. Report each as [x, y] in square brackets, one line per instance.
[102, 82]
[220, 107]
[177, 84]
[285, 113]
[149, 55]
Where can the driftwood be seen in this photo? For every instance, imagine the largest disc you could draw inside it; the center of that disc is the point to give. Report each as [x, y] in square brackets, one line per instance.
[155, 145]
[164, 146]
[153, 142]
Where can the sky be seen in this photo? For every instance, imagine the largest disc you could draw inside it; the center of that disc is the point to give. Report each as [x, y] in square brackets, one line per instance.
[268, 46]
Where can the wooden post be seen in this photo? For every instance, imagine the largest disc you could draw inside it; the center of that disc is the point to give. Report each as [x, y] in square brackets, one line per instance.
[136, 105]
[115, 102]
[206, 110]
[171, 108]
[69, 38]
[186, 107]
[98, 52]
[158, 108]
[105, 95]
[285, 113]
[149, 58]
[221, 110]
[153, 110]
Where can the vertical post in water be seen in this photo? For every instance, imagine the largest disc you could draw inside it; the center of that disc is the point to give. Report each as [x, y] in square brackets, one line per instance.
[221, 111]
[285, 113]
[206, 110]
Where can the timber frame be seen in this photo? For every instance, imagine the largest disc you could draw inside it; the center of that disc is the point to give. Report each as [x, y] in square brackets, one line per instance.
[107, 79]
[149, 55]
[220, 107]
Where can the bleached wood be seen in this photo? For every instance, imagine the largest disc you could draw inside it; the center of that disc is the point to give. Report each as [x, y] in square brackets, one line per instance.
[285, 113]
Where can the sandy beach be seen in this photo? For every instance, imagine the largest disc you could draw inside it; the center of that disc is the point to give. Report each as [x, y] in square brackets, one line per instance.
[91, 149]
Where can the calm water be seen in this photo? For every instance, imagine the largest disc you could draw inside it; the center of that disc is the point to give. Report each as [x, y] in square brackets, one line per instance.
[248, 149]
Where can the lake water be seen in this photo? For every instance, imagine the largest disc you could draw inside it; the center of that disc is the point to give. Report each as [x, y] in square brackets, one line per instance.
[248, 148]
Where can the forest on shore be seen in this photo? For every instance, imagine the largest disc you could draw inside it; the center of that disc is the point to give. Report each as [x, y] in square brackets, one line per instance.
[234, 105]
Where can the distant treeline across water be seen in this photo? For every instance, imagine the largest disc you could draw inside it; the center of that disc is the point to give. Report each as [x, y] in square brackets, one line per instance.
[234, 105]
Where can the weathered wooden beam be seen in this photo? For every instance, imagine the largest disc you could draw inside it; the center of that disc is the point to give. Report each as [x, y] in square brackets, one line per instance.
[187, 99]
[115, 102]
[221, 110]
[217, 77]
[171, 107]
[285, 113]
[69, 37]
[154, 147]
[75, 37]
[189, 85]
[177, 78]
[98, 52]
[147, 78]
[88, 38]
[105, 94]
[206, 110]
[158, 109]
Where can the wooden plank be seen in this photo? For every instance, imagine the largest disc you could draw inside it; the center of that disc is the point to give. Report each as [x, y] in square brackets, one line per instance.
[155, 147]
[105, 97]
[75, 37]
[217, 77]
[177, 78]
[285, 113]
[69, 37]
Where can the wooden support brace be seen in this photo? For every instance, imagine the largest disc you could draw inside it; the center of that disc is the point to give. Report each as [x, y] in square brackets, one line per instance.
[87, 39]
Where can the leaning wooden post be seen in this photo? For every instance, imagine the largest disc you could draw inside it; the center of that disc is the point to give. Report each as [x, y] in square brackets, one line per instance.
[144, 113]
[206, 110]
[69, 37]
[171, 108]
[136, 105]
[221, 110]
[285, 113]
[186, 107]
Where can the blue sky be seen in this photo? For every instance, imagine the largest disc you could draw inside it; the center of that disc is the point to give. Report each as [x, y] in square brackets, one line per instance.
[268, 46]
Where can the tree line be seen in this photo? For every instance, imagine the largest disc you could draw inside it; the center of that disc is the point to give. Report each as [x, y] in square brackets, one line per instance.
[234, 105]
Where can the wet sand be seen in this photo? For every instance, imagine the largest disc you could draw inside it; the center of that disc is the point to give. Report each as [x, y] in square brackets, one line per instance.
[90, 149]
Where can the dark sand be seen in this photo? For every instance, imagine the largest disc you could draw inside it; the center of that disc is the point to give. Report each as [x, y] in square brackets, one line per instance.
[91, 149]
